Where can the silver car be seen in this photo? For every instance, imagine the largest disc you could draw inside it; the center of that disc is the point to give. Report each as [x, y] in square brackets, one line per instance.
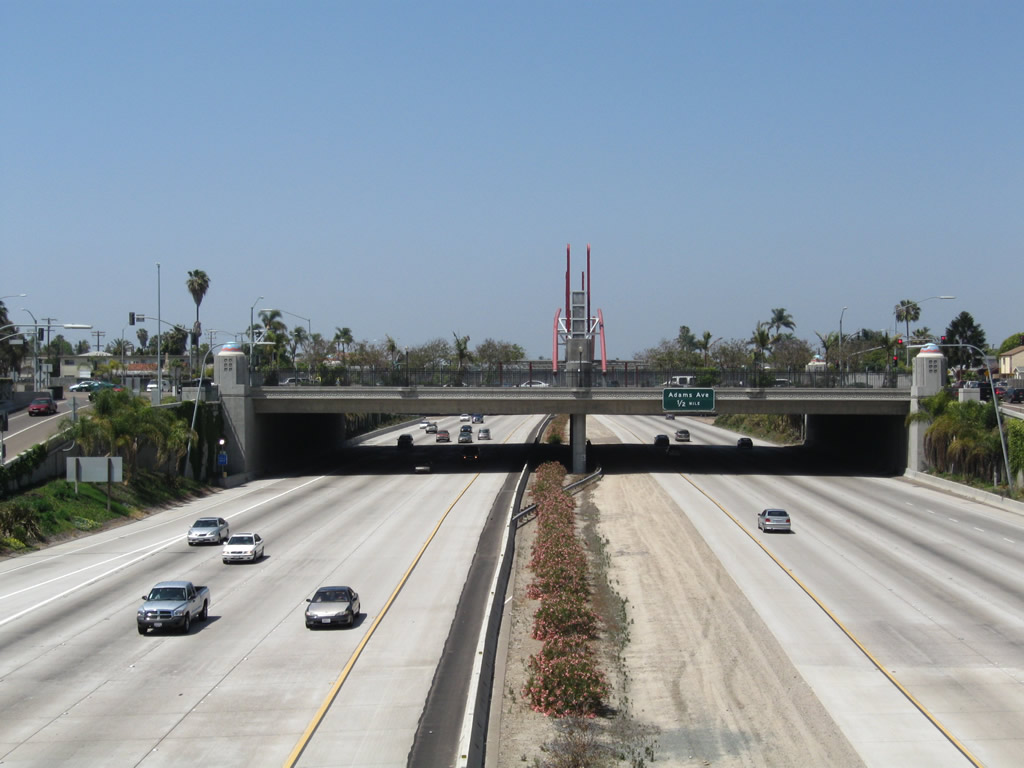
[774, 520]
[209, 530]
[331, 606]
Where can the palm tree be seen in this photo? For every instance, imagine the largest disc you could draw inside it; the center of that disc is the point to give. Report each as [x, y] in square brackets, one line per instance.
[198, 284]
[392, 347]
[761, 341]
[462, 354]
[907, 311]
[299, 338]
[343, 337]
[704, 345]
[781, 319]
[276, 331]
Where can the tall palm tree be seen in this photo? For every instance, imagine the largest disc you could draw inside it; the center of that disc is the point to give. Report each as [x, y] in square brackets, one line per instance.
[907, 311]
[299, 338]
[343, 337]
[198, 284]
[781, 319]
[276, 331]
[704, 345]
[392, 348]
[761, 341]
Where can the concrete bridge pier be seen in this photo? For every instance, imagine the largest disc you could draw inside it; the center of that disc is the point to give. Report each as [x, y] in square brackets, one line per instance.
[578, 442]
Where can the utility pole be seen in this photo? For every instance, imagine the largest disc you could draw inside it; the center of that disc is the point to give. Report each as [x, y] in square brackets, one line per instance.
[98, 335]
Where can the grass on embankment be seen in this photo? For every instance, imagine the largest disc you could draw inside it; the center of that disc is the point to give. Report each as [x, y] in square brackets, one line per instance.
[52, 511]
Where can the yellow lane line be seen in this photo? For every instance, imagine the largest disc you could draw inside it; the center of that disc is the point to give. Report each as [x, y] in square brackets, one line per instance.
[319, 716]
[878, 665]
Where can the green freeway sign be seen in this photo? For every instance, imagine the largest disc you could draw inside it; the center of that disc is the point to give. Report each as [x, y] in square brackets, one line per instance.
[688, 399]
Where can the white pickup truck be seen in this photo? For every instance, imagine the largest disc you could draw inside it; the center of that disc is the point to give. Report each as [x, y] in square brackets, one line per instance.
[173, 605]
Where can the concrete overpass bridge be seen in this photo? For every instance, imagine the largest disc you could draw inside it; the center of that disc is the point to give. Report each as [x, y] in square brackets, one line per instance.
[263, 421]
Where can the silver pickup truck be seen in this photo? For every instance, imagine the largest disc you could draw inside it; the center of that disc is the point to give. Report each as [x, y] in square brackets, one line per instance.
[173, 605]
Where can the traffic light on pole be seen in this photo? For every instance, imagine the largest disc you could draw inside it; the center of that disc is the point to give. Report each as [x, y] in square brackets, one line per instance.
[942, 339]
[895, 359]
[41, 334]
[131, 318]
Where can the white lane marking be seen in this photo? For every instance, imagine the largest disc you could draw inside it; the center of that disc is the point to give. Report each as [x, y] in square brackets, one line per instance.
[1009, 540]
[148, 550]
[954, 519]
[979, 529]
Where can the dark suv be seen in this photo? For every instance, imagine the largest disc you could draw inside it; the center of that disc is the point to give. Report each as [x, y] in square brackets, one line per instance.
[1015, 395]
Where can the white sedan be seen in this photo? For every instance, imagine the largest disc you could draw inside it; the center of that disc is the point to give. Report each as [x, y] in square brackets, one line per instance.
[534, 384]
[243, 547]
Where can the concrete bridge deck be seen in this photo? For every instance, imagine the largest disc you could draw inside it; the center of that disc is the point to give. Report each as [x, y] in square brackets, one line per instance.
[634, 401]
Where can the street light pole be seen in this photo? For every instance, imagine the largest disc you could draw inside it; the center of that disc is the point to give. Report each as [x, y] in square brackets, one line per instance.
[158, 395]
[35, 350]
[251, 323]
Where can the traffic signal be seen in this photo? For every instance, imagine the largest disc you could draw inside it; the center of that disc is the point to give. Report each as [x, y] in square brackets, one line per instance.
[899, 341]
[41, 334]
[3, 422]
[942, 339]
[895, 359]
[131, 318]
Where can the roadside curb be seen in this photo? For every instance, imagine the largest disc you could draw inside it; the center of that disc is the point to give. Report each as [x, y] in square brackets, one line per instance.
[965, 491]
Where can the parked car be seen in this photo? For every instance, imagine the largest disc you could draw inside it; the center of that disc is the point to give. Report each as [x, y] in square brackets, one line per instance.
[152, 386]
[101, 386]
[209, 530]
[173, 605]
[774, 520]
[744, 442]
[483, 434]
[534, 384]
[442, 436]
[243, 547]
[331, 606]
[1017, 396]
[296, 381]
[661, 441]
[682, 435]
[404, 442]
[85, 385]
[465, 437]
[42, 406]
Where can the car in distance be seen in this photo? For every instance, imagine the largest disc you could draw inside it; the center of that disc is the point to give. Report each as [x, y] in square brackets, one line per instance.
[477, 418]
[744, 442]
[172, 605]
[85, 385]
[209, 530]
[1017, 396]
[682, 435]
[442, 436]
[470, 453]
[331, 606]
[670, 416]
[464, 417]
[661, 441]
[243, 547]
[465, 437]
[774, 520]
[404, 441]
[534, 384]
[483, 434]
[42, 406]
[431, 428]
[424, 423]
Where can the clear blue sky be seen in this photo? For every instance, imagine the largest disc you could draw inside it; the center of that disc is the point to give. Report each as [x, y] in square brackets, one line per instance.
[415, 169]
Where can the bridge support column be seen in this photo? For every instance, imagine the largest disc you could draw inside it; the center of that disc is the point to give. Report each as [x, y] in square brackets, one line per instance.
[929, 378]
[578, 442]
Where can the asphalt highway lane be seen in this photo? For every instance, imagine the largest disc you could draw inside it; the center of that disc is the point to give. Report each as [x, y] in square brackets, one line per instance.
[927, 583]
[79, 686]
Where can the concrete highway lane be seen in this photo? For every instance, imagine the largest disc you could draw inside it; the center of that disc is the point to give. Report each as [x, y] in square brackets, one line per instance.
[927, 586]
[79, 686]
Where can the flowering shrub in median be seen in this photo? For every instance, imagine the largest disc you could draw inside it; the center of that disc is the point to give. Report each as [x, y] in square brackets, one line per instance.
[565, 680]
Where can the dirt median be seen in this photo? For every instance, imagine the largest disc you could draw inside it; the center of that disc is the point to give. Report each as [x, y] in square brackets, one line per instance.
[700, 664]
